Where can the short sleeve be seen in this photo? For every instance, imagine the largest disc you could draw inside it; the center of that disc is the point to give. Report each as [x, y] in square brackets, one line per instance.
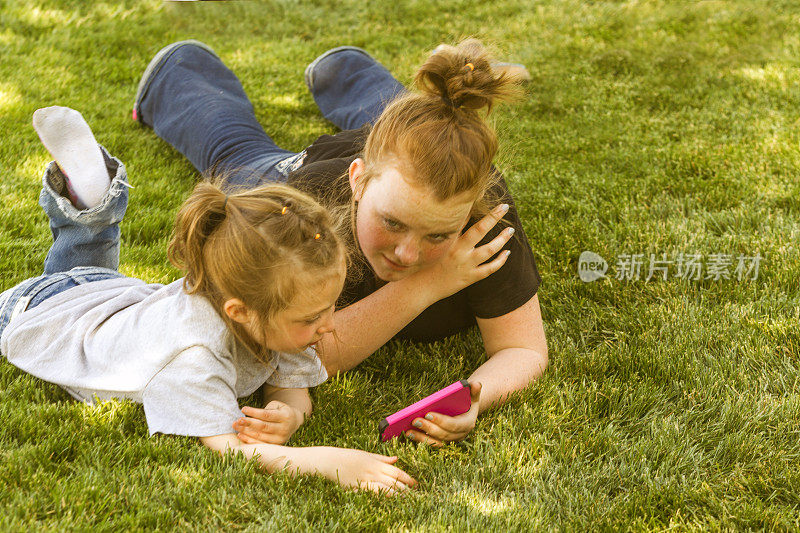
[297, 371]
[193, 395]
[518, 279]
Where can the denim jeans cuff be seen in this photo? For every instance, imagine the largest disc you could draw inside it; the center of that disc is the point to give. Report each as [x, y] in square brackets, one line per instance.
[54, 191]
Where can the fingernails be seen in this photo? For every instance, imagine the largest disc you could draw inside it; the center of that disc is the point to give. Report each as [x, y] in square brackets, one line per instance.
[410, 435]
[507, 252]
[502, 208]
[417, 423]
[429, 417]
[510, 231]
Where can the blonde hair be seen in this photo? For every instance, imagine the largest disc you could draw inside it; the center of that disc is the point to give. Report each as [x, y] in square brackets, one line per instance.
[255, 245]
[436, 135]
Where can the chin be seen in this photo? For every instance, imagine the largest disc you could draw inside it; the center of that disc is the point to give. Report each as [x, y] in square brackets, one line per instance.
[386, 274]
[393, 276]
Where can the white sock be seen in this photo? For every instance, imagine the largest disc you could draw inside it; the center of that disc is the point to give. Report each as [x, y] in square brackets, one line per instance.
[70, 141]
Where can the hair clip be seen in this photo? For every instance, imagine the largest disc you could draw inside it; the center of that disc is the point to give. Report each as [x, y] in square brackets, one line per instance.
[471, 66]
[284, 210]
[317, 236]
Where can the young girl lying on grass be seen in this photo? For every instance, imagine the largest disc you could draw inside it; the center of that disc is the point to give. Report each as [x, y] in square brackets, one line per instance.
[263, 269]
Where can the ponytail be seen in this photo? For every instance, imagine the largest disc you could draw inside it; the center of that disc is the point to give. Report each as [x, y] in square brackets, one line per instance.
[463, 78]
[201, 214]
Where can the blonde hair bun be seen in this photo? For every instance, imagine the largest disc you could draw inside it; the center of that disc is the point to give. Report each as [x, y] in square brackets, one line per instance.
[462, 77]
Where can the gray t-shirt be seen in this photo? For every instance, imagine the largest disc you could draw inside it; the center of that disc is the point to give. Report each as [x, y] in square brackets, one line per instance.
[151, 343]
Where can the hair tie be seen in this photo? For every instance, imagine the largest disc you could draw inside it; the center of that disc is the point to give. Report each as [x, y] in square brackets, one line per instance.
[471, 66]
[284, 210]
[317, 236]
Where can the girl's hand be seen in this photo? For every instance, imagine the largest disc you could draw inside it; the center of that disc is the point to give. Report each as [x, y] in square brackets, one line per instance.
[361, 470]
[463, 264]
[272, 425]
[436, 429]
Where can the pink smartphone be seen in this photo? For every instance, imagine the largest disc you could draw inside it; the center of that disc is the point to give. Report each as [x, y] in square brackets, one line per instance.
[451, 401]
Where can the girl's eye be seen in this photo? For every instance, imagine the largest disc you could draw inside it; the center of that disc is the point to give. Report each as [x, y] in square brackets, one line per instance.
[310, 321]
[438, 237]
[392, 224]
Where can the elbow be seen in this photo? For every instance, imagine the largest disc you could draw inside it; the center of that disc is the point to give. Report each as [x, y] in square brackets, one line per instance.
[541, 360]
[545, 356]
[545, 361]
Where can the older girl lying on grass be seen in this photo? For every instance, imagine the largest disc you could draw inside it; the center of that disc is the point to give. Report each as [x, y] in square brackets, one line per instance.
[263, 269]
[414, 171]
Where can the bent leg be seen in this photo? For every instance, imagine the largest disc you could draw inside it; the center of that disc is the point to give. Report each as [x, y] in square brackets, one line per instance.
[350, 87]
[196, 104]
[89, 237]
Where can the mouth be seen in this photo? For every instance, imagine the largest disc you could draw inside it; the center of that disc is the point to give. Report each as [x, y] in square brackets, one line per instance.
[395, 266]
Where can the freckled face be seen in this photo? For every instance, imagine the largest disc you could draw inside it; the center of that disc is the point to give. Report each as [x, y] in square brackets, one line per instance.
[401, 226]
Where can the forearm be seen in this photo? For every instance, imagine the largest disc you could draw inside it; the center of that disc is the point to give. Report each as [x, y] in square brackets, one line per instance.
[272, 457]
[348, 467]
[276, 458]
[368, 324]
[507, 371]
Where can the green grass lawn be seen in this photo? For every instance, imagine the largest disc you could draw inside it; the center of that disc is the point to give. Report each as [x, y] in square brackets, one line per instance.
[648, 127]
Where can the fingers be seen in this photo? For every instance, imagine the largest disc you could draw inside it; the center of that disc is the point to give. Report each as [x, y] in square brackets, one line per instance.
[394, 484]
[266, 415]
[402, 477]
[257, 431]
[388, 485]
[438, 422]
[488, 250]
[393, 471]
[377, 487]
[485, 270]
[437, 431]
[264, 439]
[255, 426]
[479, 230]
[422, 438]
[244, 438]
[275, 404]
[475, 391]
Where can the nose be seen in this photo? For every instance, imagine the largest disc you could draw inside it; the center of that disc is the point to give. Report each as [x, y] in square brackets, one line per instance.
[407, 251]
[327, 324]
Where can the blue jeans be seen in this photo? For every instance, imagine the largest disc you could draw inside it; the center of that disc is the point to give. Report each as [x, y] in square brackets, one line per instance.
[196, 104]
[85, 242]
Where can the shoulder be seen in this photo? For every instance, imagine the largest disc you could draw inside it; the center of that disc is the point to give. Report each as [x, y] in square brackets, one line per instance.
[194, 394]
[518, 279]
[323, 174]
[347, 143]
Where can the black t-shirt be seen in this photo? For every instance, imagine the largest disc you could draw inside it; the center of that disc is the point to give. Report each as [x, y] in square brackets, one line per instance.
[324, 176]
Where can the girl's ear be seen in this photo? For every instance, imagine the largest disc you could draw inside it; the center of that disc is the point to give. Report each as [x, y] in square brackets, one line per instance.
[237, 311]
[355, 171]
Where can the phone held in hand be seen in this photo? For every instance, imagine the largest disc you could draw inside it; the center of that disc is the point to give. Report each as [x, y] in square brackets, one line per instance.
[452, 400]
